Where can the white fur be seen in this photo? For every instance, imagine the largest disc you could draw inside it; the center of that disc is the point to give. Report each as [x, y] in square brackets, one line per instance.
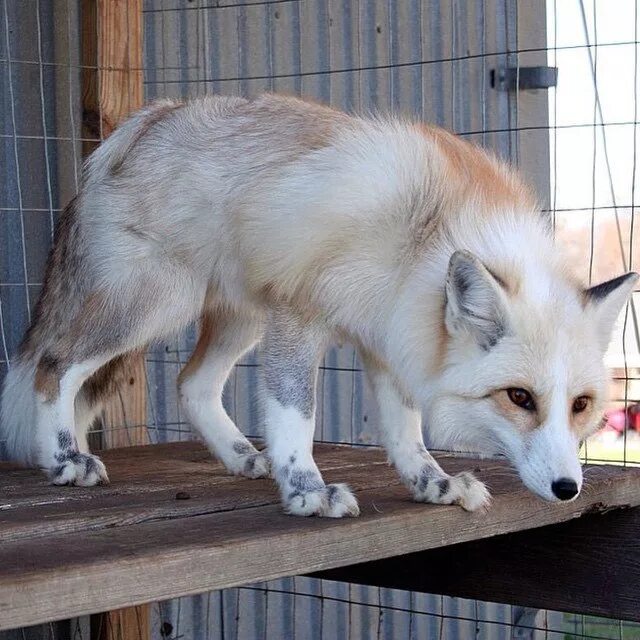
[289, 437]
[401, 431]
[19, 411]
[201, 398]
[53, 416]
[349, 223]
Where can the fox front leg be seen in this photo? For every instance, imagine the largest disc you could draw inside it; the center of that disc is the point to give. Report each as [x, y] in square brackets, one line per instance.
[401, 431]
[292, 351]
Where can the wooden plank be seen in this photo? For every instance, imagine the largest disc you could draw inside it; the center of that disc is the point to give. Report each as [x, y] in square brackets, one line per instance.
[588, 566]
[152, 546]
[112, 43]
[180, 480]
[145, 469]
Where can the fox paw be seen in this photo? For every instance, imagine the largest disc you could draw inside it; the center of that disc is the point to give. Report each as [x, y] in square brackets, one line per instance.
[330, 501]
[462, 489]
[256, 466]
[80, 469]
[247, 461]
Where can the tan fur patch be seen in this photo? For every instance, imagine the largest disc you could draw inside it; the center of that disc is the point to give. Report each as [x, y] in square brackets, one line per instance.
[105, 381]
[47, 380]
[207, 334]
[442, 343]
[477, 175]
[311, 124]
[370, 360]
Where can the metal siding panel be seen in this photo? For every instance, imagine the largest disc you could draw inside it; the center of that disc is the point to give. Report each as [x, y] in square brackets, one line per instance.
[224, 60]
[374, 51]
[254, 51]
[285, 47]
[343, 54]
[314, 54]
[406, 48]
[437, 90]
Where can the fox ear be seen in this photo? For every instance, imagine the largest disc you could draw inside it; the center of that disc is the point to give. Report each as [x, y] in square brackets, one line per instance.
[474, 300]
[606, 301]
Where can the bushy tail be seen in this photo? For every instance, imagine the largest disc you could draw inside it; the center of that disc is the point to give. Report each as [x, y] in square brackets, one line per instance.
[18, 413]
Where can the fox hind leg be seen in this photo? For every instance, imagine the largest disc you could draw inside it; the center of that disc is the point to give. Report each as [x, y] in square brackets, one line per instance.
[224, 338]
[107, 324]
[67, 462]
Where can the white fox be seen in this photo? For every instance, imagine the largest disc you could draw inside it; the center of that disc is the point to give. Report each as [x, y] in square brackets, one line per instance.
[288, 222]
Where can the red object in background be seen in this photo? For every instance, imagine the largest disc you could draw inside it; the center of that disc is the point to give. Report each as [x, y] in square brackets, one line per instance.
[634, 416]
[617, 418]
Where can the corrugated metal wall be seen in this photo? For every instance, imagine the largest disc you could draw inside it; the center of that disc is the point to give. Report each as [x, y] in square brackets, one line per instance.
[424, 58]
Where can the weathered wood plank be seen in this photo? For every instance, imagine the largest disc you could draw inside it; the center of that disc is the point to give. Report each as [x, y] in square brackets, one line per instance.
[154, 547]
[589, 566]
[180, 502]
[180, 480]
[141, 470]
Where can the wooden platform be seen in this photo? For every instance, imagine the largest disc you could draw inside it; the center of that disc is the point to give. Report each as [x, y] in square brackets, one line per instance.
[173, 523]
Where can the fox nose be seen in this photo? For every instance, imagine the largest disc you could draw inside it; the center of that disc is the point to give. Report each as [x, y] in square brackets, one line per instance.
[564, 489]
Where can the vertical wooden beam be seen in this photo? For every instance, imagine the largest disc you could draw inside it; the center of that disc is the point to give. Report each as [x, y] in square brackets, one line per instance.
[112, 88]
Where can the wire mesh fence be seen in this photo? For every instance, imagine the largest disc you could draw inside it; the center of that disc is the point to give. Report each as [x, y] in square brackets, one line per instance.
[426, 59]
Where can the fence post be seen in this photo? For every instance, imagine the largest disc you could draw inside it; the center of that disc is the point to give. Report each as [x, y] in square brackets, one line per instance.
[111, 89]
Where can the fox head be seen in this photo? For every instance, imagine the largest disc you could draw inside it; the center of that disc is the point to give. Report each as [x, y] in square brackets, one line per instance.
[524, 371]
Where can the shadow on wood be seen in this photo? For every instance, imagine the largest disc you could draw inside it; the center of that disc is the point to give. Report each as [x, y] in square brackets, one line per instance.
[590, 565]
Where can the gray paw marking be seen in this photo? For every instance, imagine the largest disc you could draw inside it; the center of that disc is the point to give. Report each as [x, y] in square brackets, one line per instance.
[443, 486]
[80, 469]
[66, 441]
[67, 446]
[302, 481]
[318, 499]
[243, 448]
[256, 466]
[248, 462]
[462, 489]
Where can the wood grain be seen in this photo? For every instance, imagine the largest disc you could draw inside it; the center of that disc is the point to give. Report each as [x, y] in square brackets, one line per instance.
[112, 43]
[173, 523]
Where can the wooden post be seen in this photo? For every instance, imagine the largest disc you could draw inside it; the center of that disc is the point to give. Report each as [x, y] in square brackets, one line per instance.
[111, 89]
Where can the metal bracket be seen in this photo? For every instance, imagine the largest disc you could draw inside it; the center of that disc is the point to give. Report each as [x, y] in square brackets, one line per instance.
[512, 78]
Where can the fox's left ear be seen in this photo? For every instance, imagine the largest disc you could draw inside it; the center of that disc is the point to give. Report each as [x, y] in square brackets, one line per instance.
[606, 301]
[474, 301]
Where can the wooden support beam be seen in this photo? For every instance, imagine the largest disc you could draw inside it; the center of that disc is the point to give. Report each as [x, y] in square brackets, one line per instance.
[590, 565]
[112, 88]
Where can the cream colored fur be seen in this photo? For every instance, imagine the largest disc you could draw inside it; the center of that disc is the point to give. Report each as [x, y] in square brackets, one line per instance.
[426, 252]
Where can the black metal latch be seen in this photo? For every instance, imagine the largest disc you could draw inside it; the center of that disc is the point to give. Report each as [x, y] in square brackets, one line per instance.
[512, 78]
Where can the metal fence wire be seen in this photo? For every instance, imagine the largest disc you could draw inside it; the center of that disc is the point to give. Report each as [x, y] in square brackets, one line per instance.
[431, 59]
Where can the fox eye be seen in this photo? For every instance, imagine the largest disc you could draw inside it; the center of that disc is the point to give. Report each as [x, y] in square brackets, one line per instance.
[580, 404]
[522, 398]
